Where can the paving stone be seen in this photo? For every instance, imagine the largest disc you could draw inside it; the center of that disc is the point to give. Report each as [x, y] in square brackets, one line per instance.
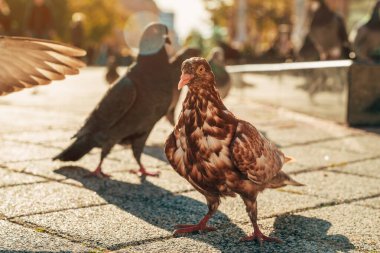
[13, 178]
[330, 229]
[372, 202]
[44, 197]
[15, 238]
[125, 184]
[315, 156]
[43, 137]
[368, 144]
[303, 135]
[335, 186]
[16, 152]
[15, 119]
[113, 226]
[368, 168]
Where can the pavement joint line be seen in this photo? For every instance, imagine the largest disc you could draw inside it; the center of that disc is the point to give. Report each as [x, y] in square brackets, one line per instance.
[56, 210]
[32, 143]
[22, 184]
[120, 246]
[333, 165]
[44, 144]
[48, 128]
[55, 233]
[30, 160]
[323, 205]
[353, 174]
[321, 140]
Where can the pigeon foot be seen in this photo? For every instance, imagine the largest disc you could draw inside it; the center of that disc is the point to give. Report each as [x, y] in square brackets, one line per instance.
[260, 237]
[143, 172]
[98, 173]
[189, 228]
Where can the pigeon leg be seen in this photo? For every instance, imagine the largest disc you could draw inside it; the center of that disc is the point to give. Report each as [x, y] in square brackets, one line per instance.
[137, 148]
[213, 204]
[257, 234]
[98, 173]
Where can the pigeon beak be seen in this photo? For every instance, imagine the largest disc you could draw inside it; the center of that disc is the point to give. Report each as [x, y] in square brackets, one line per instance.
[185, 79]
[167, 40]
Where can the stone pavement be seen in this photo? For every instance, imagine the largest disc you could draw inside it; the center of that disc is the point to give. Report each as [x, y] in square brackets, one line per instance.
[48, 206]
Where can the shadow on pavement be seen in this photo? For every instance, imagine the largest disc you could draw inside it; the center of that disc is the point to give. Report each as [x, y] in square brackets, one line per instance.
[156, 151]
[307, 234]
[157, 206]
[163, 209]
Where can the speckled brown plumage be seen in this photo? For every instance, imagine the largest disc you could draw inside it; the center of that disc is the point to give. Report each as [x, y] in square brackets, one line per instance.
[219, 154]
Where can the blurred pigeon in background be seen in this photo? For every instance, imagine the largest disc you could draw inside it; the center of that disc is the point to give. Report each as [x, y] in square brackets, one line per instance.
[132, 106]
[112, 75]
[222, 78]
[367, 40]
[175, 64]
[28, 62]
[328, 33]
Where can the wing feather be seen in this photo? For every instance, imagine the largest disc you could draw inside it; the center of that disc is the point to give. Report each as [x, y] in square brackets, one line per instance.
[114, 105]
[254, 155]
[26, 62]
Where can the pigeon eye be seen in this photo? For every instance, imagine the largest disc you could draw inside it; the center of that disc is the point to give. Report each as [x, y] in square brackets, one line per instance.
[200, 70]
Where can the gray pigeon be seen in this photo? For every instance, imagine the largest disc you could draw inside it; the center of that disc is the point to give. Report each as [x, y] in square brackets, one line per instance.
[132, 106]
[367, 40]
[175, 64]
[328, 34]
[27, 62]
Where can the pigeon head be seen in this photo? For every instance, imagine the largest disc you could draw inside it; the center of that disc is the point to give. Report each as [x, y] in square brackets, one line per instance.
[196, 73]
[154, 38]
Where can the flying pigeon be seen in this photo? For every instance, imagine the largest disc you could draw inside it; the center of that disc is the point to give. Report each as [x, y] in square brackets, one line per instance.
[219, 154]
[328, 34]
[175, 63]
[131, 107]
[27, 62]
[367, 40]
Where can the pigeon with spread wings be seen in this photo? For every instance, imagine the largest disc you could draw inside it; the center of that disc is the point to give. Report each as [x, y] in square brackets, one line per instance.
[27, 62]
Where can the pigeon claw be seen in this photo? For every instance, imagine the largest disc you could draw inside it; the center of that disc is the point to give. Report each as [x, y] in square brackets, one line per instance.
[98, 173]
[260, 237]
[143, 172]
[190, 228]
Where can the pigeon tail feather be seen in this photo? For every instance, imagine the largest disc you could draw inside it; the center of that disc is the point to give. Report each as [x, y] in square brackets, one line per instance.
[77, 149]
[289, 159]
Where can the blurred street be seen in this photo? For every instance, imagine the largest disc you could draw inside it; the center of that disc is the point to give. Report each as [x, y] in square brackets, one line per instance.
[48, 206]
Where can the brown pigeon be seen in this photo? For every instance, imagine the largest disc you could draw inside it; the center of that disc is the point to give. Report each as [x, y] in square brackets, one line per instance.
[131, 107]
[219, 154]
[27, 62]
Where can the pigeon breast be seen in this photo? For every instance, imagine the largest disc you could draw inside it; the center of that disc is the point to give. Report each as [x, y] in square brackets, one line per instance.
[200, 149]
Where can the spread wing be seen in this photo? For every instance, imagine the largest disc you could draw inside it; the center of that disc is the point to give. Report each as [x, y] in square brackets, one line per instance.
[26, 62]
[114, 105]
[254, 155]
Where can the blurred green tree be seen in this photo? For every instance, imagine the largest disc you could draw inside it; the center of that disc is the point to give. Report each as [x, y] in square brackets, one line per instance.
[263, 18]
[101, 17]
[20, 9]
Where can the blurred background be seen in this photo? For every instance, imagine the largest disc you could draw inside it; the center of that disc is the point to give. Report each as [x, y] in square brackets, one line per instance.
[249, 31]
